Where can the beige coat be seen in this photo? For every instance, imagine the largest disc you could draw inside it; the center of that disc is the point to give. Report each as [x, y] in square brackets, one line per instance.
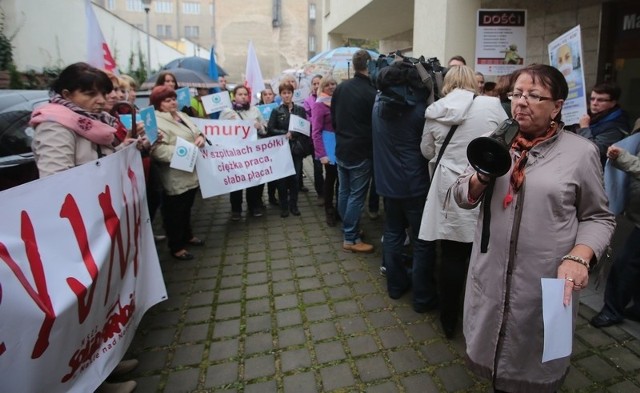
[563, 203]
[57, 148]
[174, 181]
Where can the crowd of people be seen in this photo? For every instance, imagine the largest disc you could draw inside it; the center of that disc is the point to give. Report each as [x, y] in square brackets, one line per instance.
[478, 227]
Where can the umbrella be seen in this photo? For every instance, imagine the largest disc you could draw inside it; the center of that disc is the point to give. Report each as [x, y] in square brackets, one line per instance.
[194, 63]
[184, 77]
[334, 61]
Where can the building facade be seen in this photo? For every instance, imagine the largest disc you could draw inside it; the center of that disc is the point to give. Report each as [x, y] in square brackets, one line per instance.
[443, 28]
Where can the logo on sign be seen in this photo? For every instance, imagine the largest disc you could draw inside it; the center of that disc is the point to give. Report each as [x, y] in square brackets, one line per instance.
[215, 99]
[300, 123]
[181, 151]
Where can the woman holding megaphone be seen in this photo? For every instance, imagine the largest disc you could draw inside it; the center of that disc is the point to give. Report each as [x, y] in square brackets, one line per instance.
[546, 217]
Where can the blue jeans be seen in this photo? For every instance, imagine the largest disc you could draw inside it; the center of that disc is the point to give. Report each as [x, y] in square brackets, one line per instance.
[354, 181]
[400, 214]
[622, 283]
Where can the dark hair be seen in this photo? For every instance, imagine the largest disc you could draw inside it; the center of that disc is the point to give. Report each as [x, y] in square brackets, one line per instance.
[609, 88]
[235, 89]
[317, 76]
[82, 77]
[160, 80]
[549, 77]
[360, 59]
[159, 94]
[285, 86]
[459, 58]
[504, 85]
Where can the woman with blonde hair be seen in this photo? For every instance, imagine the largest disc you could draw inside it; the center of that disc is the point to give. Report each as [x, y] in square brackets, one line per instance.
[467, 116]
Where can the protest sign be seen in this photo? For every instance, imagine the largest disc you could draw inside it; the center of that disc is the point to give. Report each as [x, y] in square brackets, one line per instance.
[78, 269]
[565, 54]
[329, 142]
[238, 165]
[266, 110]
[216, 102]
[184, 156]
[501, 41]
[298, 124]
[299, 95]
[223, 131]
[148, 116]
[183, 97]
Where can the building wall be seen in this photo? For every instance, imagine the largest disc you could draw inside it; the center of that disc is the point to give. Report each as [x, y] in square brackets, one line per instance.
[231, 25]
[43, 39]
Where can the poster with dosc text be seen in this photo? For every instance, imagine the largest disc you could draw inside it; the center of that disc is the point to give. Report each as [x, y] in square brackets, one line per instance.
[501, 41]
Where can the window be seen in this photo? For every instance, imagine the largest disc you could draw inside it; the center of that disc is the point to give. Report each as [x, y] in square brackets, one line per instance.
[191, 8]
[191, 31]
[212, 8]
[111, 5]
[213, 32]
[135, 5]
[312, 12]
[164, 7]
[312, 43]
[163, 31]
[327, 7]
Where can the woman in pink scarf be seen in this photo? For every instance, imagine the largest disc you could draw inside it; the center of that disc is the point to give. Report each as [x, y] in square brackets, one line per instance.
[321, 121]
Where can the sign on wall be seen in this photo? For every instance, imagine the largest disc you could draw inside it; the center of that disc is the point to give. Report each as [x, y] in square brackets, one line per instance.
[501, 41]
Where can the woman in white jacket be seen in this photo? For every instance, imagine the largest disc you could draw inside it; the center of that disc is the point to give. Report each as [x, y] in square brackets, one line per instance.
[453, 226]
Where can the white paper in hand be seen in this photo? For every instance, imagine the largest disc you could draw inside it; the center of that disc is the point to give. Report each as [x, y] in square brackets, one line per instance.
[184, 157]
[216, 102]
[558, 340]
[298, 124]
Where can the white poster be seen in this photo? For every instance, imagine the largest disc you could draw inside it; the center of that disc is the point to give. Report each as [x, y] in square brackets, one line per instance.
[565, 54]
[222, 131]
[298, 124]
[235, 166]
[501, 41]
[216, 102]
[78, 269]
[184, 156]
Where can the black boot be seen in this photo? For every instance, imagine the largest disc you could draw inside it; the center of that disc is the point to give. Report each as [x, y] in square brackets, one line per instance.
[330, 216]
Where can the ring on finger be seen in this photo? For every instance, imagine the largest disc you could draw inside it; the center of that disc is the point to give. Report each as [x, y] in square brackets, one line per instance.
[571, 279]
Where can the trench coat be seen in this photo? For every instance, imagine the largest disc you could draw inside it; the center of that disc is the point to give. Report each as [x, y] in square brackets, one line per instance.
[562, 203]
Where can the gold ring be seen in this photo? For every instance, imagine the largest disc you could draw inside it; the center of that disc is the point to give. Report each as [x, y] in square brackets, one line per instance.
[570, 279]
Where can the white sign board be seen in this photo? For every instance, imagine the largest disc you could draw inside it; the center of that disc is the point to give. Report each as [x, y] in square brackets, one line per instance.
[216, 102]
[501, 41]
[223, 131]
[298, 124]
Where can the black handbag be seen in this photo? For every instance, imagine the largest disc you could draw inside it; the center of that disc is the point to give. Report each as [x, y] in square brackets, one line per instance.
[301, 145]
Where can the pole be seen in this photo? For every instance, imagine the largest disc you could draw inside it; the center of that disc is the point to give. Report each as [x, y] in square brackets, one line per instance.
[146, 10]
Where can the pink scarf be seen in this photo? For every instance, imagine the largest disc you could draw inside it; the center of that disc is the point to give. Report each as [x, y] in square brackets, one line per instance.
[324, 98]
[93, 130]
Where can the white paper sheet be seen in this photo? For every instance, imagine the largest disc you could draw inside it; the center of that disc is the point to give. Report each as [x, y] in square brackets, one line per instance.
[184, 157]
[557, 318]
[298, 124]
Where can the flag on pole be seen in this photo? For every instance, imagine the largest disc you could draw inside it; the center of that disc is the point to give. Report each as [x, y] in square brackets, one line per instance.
[98, 53]
[253, 75]
[213, 68]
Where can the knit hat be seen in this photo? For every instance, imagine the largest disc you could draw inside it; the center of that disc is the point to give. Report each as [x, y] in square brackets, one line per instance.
[159, 94]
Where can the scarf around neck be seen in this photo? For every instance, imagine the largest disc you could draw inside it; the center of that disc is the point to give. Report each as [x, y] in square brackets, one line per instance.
[241, 107]
[99, 128]
[522, 144]
[324, 98]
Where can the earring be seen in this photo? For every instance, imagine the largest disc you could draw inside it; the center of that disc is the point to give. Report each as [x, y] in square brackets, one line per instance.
[552, 124]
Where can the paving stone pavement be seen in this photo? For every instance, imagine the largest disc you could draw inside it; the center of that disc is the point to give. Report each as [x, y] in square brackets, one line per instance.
[275, 305]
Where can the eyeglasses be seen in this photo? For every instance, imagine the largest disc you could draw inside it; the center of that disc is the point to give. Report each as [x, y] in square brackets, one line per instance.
[531, 98]
[598, 99]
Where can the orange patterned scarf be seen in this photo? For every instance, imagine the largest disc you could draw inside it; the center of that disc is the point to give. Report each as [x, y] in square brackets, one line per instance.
[522, 144]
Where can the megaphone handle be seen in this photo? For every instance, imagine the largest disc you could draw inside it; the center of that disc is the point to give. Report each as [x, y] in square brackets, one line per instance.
[486, 217]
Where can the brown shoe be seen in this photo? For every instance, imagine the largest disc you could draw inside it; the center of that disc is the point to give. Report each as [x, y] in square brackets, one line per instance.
[361, 247]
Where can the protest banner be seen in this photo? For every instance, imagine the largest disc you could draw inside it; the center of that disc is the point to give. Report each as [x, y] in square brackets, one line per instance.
[298, 124]
[78, 269]
[235, 166]
[565, 54]
[501, 41]
[216, 102]
[184, 156]
[224, 131]
[148, 116]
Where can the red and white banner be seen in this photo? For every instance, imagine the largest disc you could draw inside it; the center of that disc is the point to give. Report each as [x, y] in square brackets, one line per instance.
[232, 166]
[225, 131]
[78, 269]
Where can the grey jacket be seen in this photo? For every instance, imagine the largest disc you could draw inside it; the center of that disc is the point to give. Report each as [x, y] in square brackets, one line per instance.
[631, 164]
[562, 203]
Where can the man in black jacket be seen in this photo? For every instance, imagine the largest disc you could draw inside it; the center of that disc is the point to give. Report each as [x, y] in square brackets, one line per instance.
[351, 107]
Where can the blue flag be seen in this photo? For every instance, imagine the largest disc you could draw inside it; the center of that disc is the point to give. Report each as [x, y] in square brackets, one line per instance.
[213, 68]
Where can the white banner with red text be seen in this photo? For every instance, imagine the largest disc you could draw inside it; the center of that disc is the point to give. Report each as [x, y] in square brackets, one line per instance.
[239, 165]
[222, 131]
[78, 269]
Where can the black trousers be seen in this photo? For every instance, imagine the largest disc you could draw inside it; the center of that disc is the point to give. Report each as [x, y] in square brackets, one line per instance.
[176, 217]
[288, 186]
[254, 198]
[330, 185]
[453, 272]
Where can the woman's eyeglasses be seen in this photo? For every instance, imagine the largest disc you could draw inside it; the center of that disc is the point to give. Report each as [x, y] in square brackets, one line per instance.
[531, 98]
